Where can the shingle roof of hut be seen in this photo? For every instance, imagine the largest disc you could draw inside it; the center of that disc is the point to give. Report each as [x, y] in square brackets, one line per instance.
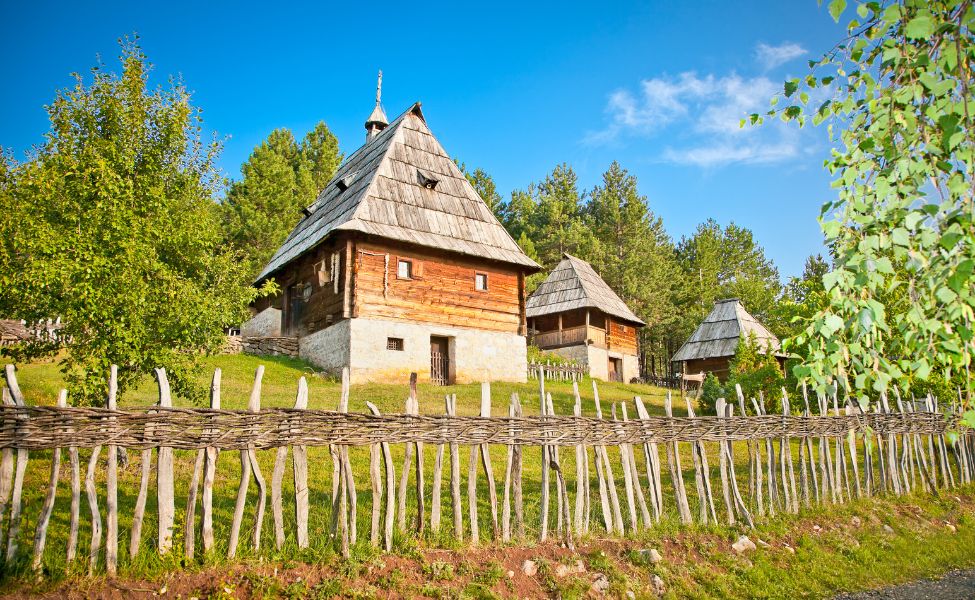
[718, 334]
[13, 330]
[402, 185]
[575, 284]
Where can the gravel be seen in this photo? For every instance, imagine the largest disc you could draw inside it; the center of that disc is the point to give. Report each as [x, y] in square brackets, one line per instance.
[955, 585]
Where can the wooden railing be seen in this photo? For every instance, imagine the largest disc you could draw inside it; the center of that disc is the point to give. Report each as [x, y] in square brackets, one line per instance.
[556, 372]
[570, 337]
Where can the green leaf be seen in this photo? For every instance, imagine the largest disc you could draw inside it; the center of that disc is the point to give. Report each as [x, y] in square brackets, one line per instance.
[791, 85]
[920, 27]
[836, 8]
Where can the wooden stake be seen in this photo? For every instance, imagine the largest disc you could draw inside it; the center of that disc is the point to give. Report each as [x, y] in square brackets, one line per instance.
[543, 527]
[506, 497]
[455, 501]
[165, 492]
[723, 468]
[209, 471]
[40, 535]
[6, 468]
[486, 461]
[652, 458]
[608, 471]
[676, 473]
[390, 487]
[111, 482]
[96, 518]
[516, 472]
[245, 472]
[435, 502]
[16, 504]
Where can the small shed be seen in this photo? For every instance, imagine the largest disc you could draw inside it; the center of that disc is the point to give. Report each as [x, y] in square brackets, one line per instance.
[13, 332]
[575, 314]
[712, 346]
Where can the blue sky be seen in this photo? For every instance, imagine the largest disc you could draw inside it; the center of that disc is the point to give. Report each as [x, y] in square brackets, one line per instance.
[512, 88]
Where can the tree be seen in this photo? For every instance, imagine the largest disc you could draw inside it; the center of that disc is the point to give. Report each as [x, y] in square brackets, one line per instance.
[558, 214]
[112, 226]
[726, 263]
[758, 373]
[633, 253]
[279, 179]
[801, 298]
[901, 298]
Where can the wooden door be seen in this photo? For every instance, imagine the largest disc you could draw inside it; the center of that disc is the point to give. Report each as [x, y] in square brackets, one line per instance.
[439, 360]
[615, 369]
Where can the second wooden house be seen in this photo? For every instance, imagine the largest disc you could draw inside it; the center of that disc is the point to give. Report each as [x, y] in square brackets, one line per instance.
[400, 266]
[575, 314]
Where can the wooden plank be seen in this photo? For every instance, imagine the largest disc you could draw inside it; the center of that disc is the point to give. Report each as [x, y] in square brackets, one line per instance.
[40, 534]
[16, 501]
[165, 492]
[111, 482]
[209, 472]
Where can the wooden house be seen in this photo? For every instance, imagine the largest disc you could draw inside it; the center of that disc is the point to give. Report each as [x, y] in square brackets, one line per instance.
[712, 346]
[574, 313]
[399, 266]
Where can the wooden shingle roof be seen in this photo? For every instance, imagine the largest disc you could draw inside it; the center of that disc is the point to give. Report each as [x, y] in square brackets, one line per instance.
[717, 336]
[575, 284]
[389, 194]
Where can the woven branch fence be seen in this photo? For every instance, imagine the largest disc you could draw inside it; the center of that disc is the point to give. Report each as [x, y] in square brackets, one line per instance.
[843, 453]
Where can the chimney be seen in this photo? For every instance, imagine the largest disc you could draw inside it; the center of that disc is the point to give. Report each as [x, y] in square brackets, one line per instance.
[377, 121]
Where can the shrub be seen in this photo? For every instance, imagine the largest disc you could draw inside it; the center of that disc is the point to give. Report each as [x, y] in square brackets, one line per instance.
[711, 390]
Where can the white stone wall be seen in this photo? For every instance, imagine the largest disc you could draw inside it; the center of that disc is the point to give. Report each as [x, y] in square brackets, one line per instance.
[475, 355]
[327, 348]
[597, 360]
[266, 323]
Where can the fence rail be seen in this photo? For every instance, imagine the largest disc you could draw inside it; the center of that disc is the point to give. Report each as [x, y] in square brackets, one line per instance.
[908, 449]
[556, 372]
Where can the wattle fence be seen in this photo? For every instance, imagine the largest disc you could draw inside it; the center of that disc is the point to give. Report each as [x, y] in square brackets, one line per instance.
[841, 451]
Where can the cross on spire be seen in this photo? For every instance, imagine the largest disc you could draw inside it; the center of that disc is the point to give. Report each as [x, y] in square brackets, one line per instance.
[377, 121]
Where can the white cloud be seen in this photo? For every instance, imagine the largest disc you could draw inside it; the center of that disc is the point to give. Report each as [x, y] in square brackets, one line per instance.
[770, 57]
[699, 116]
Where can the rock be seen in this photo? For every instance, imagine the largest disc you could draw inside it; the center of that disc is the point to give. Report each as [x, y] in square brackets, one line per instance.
[657, 585]
[630, 595]
[950, 527]
[888, 528]
[562, 570]
[600, 584]
[743, 544]
[651, 555]
[817, 528]
[511, 574]
[580, 567]
[764, 544]
[856, 521]
[529, 567]
[789, 548]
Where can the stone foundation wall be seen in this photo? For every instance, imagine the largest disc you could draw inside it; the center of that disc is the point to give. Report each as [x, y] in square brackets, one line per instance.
[234, 344]
[270, 346]
[596, 360]
[328, 348]
[361, 344]
[266, 323]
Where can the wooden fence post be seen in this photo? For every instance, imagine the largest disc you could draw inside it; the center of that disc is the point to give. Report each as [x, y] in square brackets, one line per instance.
[390, 487]
[111, 483]
[602, 454]
[435, 500]
[210, 471]
[455, 501]
[652, 457]
[40, 535]
[6, 468]
[676, 473]
[543, 526]
[165, 494]
[245, 472]
[16, 504]
[486, 461]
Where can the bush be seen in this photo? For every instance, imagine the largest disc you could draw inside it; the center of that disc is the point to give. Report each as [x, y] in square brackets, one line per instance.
[535, 355]
[757, 372]
[711, 390]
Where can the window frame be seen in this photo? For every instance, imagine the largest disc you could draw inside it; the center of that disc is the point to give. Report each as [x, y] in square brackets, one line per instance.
[409, 269]
[477, 276]
[394, 344]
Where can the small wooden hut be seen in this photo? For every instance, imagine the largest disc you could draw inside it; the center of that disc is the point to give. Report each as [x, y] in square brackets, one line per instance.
[712, 346]
[575, 314]
[398, 266]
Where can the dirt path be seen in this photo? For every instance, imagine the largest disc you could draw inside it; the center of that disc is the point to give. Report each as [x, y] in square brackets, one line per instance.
[955, 585]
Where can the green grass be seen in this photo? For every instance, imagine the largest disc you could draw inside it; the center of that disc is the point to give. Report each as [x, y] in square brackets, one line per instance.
[823, 563]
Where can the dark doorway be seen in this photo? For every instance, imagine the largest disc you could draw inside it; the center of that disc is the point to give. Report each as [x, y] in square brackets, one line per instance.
[439, 360]
[616, 369]
[296, 309]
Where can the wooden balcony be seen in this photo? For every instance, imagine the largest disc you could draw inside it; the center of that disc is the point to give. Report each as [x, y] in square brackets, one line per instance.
[571, 337]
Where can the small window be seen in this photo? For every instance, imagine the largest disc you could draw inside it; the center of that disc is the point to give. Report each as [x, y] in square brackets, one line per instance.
[480, 282]
[426, 180]
[404, 269]
[394, 344]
